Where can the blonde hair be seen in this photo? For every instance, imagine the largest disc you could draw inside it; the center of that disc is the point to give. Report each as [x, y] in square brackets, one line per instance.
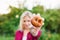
[26, 13]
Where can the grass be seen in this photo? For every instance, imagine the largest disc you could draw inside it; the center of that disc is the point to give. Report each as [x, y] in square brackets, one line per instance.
[43, 37]
[6, 38]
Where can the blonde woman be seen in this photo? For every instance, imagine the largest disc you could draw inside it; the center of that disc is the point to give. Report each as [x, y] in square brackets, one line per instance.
[26, 31]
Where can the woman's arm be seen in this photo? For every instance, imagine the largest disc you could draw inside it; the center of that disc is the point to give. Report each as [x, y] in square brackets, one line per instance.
[35, 31]
[36, 35]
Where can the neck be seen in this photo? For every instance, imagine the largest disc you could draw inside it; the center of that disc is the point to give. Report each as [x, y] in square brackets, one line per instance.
[26, 32]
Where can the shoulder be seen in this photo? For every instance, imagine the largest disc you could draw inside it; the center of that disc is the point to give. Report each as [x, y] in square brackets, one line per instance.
[18, 35]
[18, 32]
[39, 33]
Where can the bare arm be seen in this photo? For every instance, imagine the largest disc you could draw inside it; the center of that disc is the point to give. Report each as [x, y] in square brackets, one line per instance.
[34, 31]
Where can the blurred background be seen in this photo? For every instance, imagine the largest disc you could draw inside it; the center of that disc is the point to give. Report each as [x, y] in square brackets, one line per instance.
[11, 10]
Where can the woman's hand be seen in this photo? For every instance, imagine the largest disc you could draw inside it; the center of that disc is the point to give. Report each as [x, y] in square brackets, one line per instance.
[34, 31]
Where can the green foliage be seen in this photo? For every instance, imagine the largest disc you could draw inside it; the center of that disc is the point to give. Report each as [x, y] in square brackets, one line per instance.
[9, 23]
[38, 9]
[52, 17]
[46, 35]
[6, 38]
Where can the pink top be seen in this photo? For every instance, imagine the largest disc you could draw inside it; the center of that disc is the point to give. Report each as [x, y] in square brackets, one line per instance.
[19, 35]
